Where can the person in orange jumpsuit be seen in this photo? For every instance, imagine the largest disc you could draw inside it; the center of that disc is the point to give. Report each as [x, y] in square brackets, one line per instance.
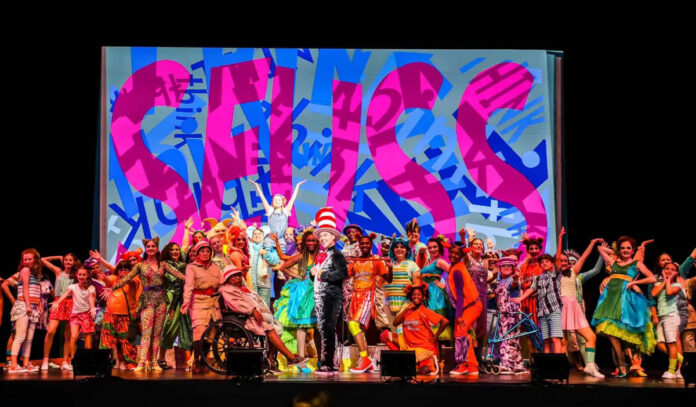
[467, 305]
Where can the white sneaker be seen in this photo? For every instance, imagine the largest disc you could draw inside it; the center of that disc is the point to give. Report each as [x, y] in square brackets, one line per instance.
[679, 375]
[17, 369]
[593, 370]
[66, 366]
[44, 366]
[53, 365]
[669, 375]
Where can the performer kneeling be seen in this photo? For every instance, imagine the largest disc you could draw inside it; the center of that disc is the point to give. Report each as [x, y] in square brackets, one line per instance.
[417, 320]
[364, 270]
[244, 301]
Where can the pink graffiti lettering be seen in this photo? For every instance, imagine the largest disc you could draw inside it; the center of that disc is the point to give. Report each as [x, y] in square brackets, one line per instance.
[347, 105]
[281, 133]
[413, 85]
[228, 158]
[503, 86]
[162, 83]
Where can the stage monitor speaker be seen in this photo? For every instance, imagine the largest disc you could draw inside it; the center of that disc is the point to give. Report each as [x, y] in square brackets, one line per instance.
[92, 362]
[245, 362]
[398, 363]
[688, 368]
[550, 366]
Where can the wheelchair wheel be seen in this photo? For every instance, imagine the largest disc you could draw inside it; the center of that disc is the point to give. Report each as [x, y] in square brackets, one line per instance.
[221, 336]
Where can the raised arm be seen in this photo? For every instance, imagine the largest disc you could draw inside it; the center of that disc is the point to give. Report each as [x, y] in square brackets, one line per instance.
[606, 253]
[586, 276]
[291, 202]
[46, 261]
[95, 255]
[583, 257]
[421, 257]
[268, 208]
[559, 247]
[134, 272]
[686, 266]
[186, 240]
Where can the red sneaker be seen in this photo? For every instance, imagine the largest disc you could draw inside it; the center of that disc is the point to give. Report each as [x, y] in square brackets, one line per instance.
[364, 364]
[472, 370]
[460, 369]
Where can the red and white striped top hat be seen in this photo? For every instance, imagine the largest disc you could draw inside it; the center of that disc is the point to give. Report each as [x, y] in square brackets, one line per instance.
[326, 222]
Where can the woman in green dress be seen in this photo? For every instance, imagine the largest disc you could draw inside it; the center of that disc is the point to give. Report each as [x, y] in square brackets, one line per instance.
[622, 313]
[176, 324]
[295, 307]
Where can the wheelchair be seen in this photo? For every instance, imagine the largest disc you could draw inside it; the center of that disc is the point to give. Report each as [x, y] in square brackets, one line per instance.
[226, 334]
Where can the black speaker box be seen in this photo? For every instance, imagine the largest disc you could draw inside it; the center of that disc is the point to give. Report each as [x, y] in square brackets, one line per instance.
[397, 363]
[245, 362]
[92, 362]
[550, 366]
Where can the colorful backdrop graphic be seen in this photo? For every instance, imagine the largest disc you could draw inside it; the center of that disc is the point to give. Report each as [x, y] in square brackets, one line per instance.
[453, 138]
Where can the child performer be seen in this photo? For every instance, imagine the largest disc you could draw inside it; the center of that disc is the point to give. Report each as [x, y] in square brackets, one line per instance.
[364, 270]
[547, 286]
[666, 291]
[416, 320]
[510, 351]
[83, 310]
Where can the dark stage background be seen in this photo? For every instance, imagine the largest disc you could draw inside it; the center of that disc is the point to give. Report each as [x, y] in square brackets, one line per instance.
[628, 164]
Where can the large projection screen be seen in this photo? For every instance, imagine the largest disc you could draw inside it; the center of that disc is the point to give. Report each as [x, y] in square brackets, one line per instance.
[453, 138]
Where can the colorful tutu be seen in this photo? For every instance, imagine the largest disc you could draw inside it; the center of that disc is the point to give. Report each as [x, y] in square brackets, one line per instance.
[623, 313]
[295, 307]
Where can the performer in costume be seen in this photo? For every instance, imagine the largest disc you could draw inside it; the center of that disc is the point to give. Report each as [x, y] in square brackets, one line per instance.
[203, 279]
[244, 301]
[64, 278]
[364, 270]
[261, 260]
[114, 334]
[152, 305]
[330, 269]
[432, 273]
[468, 308]
[507, 288]
[83, 310]
[295, 307]
[573, 316]
[405, 272]
[239, 250]
[26, 310]
[176, 324]
[277, 213]
[352, 233]
[383, 315]
[413, 232]
[622, 313]
[477, 266]
[416, 320]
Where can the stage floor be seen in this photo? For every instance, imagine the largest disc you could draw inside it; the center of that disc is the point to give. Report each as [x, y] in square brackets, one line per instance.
[179, 388]
[576, 378]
